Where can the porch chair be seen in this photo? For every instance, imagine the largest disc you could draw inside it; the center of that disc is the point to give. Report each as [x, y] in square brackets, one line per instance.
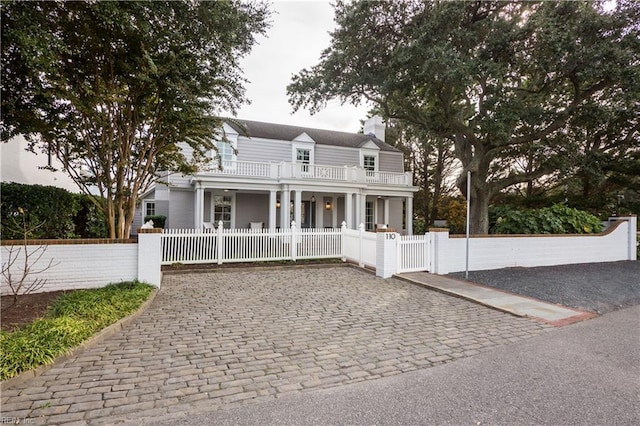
[256, 225]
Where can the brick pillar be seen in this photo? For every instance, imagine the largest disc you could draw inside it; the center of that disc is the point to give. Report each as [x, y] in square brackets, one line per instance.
[439, 238]
[150, 256]
[386, 252]
[632, 238]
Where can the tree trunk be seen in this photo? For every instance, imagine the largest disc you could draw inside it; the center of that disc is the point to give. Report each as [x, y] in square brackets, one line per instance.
[479, 217]
[438, 177]
[480, 198]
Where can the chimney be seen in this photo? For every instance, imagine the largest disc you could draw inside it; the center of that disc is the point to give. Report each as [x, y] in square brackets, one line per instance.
[375, 127]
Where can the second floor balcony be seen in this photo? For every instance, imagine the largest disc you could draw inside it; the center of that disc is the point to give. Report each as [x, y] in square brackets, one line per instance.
[283, 171]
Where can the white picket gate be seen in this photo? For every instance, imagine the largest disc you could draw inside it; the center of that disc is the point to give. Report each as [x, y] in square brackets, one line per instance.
[191, 246]
[413, 253]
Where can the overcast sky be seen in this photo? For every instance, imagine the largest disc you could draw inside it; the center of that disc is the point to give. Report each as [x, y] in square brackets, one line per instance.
[298, 34]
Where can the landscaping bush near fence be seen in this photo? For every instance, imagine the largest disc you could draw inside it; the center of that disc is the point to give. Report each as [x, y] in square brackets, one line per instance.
[73, 318]
[558, 219]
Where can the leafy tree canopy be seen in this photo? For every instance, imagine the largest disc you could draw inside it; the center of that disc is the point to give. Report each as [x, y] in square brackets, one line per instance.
[111, 88]
[500, 80]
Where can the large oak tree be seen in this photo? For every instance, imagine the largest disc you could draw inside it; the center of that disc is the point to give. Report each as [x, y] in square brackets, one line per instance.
[111, 88]
[501, 81]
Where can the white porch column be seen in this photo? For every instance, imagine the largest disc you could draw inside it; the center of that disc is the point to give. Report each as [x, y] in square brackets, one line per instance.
[198, 218]
[386, 211]
[297, 207]
[272, 209]
[285, 218]
[334, 212]
[348, 210]
[362, 208]
[358, 215]
[409, 215]
[319, 212]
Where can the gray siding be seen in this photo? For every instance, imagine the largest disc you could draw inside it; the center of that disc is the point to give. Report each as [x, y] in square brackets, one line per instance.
[391, 162]
[264, 151]
[332, 156]
[186, 150]
[181, 209]
[252, 208]
[162, 208]
[395, 214]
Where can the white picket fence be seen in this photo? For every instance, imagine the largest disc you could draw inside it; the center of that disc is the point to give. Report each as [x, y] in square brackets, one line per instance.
[413, 253]
[192, 246]
[360, 246]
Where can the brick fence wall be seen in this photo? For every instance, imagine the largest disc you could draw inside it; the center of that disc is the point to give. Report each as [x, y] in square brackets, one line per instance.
[84, 263]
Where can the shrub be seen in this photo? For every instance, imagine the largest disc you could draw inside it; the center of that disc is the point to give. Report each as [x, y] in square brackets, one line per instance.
[89, 219]
[454, 211]
[52, 213]
[72, 319]
[158, 220]
[49, 210]
[557, 219]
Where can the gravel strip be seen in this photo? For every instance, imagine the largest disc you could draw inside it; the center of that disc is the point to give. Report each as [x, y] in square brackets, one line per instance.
[593, 287]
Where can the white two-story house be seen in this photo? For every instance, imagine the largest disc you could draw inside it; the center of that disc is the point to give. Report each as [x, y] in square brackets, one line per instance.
[275, 174]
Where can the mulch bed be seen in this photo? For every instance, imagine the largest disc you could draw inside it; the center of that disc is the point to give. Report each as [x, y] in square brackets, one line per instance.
[28, 308]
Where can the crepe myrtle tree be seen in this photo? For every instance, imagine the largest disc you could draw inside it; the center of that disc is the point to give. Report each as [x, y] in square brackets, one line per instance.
[112, 88]
[500, 81]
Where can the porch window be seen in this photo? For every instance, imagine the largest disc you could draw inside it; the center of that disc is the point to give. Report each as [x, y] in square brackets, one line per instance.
[303, 156]
[149, 208]
[369, 215]
[223, 210]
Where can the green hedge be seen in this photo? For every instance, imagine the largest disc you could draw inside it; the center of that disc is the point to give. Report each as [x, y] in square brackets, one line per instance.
[557, 219]
[50, 212]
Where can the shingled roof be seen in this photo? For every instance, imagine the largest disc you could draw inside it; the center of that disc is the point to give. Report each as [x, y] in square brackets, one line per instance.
[257, 129]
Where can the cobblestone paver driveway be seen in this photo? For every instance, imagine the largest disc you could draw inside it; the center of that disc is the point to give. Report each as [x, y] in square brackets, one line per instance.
[227, 338]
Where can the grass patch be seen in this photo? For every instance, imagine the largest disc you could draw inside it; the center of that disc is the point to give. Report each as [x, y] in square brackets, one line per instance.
[73, 318]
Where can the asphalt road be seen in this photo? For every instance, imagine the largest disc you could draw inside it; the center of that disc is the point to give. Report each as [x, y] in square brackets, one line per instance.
[593, 287]
[587, 373]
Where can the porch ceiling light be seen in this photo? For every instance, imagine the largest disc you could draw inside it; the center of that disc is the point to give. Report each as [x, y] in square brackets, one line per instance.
[277, 204]
[328, 205]
[313, 199]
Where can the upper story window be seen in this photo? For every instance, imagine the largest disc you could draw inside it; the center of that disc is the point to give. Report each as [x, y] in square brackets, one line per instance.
[225, 152]
[302, 153]
[303, 156]
[369, 163]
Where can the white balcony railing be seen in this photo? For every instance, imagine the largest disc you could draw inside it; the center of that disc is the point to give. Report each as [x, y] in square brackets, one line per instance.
[244, 168]
[308, 171]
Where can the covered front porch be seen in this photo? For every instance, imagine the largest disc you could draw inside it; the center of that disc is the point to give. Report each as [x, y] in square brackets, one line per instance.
[276, 207]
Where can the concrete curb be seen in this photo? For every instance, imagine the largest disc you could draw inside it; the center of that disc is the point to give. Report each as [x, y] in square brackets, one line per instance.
[460, 296]
[92, 341]
[579, 315]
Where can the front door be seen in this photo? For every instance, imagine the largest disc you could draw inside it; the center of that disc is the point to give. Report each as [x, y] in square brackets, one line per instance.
[308, 214]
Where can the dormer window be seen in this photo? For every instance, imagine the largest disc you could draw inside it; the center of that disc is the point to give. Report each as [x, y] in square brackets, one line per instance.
[303, 152]
[303, 156]
[225, 152]
[369, 163]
